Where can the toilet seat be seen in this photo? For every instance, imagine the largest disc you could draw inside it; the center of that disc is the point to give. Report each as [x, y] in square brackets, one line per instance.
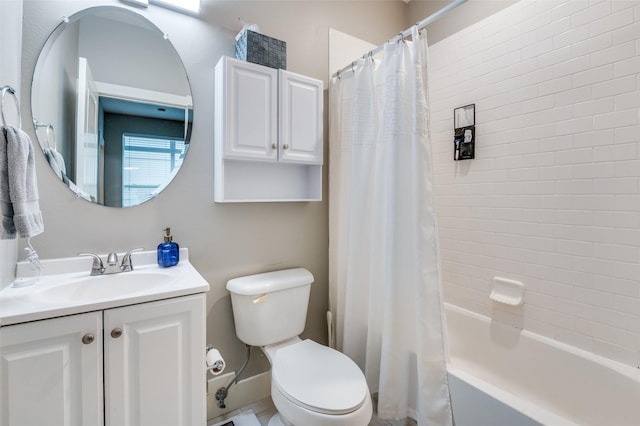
[319, 378]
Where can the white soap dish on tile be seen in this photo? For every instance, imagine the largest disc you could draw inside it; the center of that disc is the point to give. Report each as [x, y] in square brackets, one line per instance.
[506, 291]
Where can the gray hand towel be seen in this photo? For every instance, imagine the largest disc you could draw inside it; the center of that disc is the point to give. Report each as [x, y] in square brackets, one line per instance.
[56, 161]
[18, 186]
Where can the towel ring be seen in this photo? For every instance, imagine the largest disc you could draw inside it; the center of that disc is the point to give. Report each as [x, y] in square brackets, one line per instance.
[50, 132]
[51, 137]
[11, 90]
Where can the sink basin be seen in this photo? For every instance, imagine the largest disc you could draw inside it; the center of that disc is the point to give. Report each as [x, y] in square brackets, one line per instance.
[106, 286]
[67, 288]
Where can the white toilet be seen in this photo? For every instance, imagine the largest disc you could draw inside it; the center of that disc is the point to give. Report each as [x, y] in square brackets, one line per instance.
[311, 384]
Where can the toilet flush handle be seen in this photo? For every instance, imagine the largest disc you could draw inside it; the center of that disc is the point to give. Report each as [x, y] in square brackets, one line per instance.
[260, 299]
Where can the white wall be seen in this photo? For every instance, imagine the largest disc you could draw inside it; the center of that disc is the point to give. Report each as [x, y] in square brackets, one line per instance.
[553, 196]
[118, 54]
[344, 49]
[10, 46]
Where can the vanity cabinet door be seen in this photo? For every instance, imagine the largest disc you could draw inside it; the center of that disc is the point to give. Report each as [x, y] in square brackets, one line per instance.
[301, 101]
[246, 110]
[155, 363]
[51, 372]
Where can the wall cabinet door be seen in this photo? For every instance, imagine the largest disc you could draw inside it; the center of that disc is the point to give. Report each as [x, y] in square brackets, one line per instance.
[51, 372]
[247, 103]
[154, 363]
[300, 118]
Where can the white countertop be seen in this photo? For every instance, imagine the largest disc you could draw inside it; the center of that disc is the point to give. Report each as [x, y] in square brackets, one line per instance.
[49, 297]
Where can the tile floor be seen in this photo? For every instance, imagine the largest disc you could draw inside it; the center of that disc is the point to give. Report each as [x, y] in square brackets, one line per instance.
[264, 409]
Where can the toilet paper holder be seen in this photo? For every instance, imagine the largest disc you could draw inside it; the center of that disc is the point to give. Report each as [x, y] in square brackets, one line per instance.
[215, 363]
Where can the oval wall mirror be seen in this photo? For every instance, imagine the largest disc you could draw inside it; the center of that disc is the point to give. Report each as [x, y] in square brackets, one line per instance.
[112, 106]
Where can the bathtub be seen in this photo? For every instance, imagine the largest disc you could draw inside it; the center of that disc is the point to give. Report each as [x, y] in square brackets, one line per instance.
[502, 376]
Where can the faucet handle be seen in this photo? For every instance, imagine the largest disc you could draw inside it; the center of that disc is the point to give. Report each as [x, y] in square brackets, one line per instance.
[126, 264]
[112, 259]
[98, 267]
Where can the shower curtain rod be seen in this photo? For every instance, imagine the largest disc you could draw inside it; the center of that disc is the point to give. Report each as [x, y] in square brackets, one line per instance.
[406, 33]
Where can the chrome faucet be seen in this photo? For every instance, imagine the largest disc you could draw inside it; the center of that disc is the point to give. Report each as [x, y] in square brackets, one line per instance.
[98, 267]
[126, 264]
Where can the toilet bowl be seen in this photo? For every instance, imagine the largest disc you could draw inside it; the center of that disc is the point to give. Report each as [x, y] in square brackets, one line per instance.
[311, 384]
[315, 385]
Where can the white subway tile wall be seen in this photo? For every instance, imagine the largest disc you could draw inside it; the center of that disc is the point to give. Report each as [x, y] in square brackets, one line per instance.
[553, 195]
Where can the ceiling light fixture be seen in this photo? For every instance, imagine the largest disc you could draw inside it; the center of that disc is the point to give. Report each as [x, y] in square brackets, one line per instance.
[189, 6]
[137, 3]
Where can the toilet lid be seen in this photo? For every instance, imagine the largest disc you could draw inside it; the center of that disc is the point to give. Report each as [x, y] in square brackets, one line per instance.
[319, 378]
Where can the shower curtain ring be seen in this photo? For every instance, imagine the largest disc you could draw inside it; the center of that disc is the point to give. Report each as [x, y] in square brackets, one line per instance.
[420, 30]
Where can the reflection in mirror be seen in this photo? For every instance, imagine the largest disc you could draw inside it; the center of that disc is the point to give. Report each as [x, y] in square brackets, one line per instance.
[112, 106]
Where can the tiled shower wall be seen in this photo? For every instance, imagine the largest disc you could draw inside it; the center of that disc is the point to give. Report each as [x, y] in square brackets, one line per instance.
[553, 196]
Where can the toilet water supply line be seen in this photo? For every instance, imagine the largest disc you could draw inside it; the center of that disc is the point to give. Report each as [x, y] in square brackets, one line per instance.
[223, 392]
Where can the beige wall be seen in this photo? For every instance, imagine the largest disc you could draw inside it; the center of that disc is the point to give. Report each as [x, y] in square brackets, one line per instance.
[455, 20]
[225, 240]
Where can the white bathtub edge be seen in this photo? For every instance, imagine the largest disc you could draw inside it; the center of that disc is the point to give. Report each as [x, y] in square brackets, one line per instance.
[543, 379]
[518, 404]
[599, 359]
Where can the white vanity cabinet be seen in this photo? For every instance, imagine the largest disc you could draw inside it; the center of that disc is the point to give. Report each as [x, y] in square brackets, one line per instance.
[153, 367]
[154, 363]
[268, 134]
[51, 372]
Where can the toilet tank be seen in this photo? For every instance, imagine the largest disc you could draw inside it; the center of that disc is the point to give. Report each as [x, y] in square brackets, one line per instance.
[271, 307]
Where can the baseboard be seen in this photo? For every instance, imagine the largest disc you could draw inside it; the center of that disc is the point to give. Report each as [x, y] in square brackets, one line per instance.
[241, 394]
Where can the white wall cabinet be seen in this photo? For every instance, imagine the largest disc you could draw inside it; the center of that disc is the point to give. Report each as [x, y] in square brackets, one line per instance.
[268, 134]
[153, 367]
[248, 120]
[300, 119]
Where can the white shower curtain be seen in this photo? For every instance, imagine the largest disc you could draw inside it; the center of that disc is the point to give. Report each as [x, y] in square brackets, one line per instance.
[384, 269]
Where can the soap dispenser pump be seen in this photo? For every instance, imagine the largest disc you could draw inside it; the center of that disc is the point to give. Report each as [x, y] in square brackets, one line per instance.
[168, 251]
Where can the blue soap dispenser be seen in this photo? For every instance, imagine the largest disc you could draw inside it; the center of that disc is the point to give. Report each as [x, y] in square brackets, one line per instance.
[168, 252]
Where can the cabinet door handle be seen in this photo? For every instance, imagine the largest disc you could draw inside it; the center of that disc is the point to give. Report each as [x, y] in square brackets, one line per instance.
[116, 332]
[88, 338]
[285, 146]
[274, 145]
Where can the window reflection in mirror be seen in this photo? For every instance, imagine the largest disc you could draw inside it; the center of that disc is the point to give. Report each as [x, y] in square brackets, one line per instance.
[144, 146]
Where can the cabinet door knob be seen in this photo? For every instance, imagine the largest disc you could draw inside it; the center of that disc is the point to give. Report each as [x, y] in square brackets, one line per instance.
[274, 145]
[88, 338]
[285, 146]
[116, 332]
